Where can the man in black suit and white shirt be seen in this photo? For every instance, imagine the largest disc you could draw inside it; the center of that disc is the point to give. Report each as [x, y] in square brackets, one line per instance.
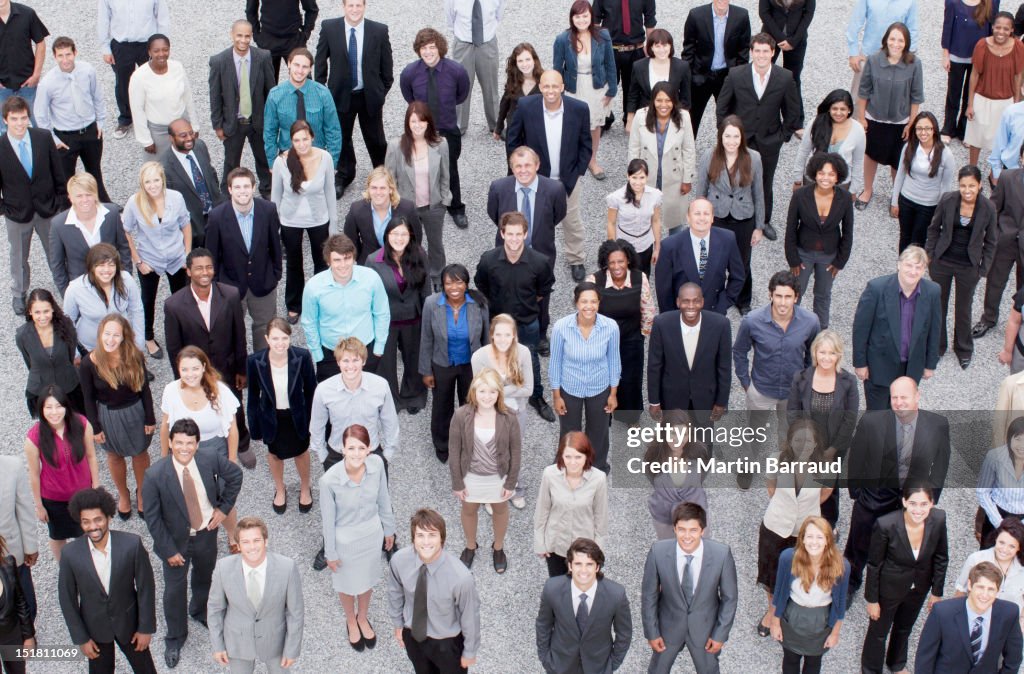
[187, 494]
[359, 88]
[106, 588]
[236, 112]
[579, 612]
[716, 37]
[189, 171]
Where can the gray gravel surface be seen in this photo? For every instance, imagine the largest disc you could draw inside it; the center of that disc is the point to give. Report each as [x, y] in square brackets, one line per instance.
[509, 602]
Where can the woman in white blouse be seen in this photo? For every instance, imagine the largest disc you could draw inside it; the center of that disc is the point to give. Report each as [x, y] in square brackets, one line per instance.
[634, 214]
[158, 94]
[1006, 553]
[834, 130]
[303, 190]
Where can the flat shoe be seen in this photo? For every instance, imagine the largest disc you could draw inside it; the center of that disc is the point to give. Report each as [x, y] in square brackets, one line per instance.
[293, 319]
[599, 174]
[467, 557]
[862, 205]
[125, 515]
[158, 354]
[980, 329]
[280, 509]
[358, 645]
[305, 507]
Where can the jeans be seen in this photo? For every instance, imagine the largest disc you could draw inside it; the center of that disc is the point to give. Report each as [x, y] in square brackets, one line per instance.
[529, 335]
[28, 93]
[817, 262]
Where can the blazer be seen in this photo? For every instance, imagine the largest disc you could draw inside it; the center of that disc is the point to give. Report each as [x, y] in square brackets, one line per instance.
[602, 62]
[223, 342]
[405, 304]
[549, 209]
[261, 404]
[893, 571]
[678, 157]
[981, 249]
[527, 128]
[178, 180]
[507, 446]
[563, 649]
[723, 276]
[17, 522]
[639, 94]
[15, 619]
[876, 330]
[786, 23]
[1008, 198]
[764, 126]
[674, 383]
[842, 418]
[664, 609]
[224, 91]
[68, 247]
[404, 173]
[266, 632]
[739, 201]
[699, 40]
[257, 270]
[945, 644]
[805, 231]
[45, 193]
[57, 367]
[359, 224]
[166, 512]
[434, 332]
[129, 606]
[375, 63]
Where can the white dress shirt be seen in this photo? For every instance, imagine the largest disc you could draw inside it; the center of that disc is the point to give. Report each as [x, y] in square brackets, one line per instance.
[93, 237]
[691, 335]
[553, 134]
[577, 593]
[205, 507]
[759, 84]
[358, 85]
[459, 14]
[182, 158]
[101, 560]
[698, 556]
[69, 101]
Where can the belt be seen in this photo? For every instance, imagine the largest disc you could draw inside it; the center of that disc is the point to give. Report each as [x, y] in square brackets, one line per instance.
[77, 132]
[627, 47]
[245, 121]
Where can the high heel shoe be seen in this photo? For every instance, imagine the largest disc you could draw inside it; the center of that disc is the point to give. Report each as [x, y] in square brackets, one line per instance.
[369, 642]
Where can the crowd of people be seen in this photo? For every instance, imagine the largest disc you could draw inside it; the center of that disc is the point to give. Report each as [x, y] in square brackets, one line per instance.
[681, 226]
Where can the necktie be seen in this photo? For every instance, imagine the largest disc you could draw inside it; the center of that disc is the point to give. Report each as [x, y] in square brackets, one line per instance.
[195, 513]
[252, 588]
[433, 99]
[687, 584]
[201, 187]
[527, 213]
[582, 613]
[627, 27]
[300, 105]
[419, 606]
[478, 23]
[244, 94]
[905, 450]
[976, 633]
[703, 265]
[25, 156]
[353, 58]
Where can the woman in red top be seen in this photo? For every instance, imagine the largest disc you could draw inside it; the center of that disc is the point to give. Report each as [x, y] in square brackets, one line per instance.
[998, 65]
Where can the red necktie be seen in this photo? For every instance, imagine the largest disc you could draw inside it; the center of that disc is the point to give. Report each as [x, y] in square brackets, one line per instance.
[626, 27]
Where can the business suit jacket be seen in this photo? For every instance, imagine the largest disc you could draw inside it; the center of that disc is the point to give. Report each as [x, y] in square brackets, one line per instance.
[359, 225]
[678, 160]
[266, 632]
[404, 173]
[982, 247]
[45, 193]
[224, 342]
[639, 94]
[804, 226]
[674, 383]
[257, 270]
[1007, 197]
[699, 40]
[56, 367]
[549, 208]
[761, 116]
[434, 332]
[789, 24]
[68, 247]
[178, 180]
[15, 620]
[892, 569]
[261, 405]
[224, 88]
[166, 512]
[332, 67]
[842, 418]
[129, 606]
[723, 275]
[876, 330]
[945, 644]
[527, 128]
[561, 647]
[17, 522]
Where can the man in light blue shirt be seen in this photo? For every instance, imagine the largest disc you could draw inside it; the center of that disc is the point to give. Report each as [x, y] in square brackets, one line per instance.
[874, 16]
[1006, 146]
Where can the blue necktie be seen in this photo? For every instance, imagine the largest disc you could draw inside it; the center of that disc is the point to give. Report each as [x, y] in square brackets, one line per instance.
[353, 58]
[201, 188]
[527, 213]
[25, 156]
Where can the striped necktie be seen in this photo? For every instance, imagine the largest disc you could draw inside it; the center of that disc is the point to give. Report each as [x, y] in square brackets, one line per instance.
[976, 633]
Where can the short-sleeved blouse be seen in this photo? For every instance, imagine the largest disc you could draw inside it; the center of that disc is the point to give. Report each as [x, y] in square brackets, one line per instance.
[161, 244]
[634, 223]
[995, 73]
[212, 423]
[61, 482]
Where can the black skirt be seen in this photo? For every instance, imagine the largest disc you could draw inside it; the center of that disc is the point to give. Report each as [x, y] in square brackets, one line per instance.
[884, 142]
[288, 444]
[769, 548]
[60, 523]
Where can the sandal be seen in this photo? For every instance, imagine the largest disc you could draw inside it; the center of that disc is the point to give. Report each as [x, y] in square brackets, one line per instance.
[500, 560]
[467, 557]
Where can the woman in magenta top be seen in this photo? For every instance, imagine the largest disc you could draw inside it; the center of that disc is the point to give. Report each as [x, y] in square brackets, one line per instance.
[61, 460]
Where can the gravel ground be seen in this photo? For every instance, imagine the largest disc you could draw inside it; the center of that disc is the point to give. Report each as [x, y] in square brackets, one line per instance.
[509, 603]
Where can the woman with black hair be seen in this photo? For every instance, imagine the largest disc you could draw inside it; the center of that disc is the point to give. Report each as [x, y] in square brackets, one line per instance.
[1000, 481]
[925, 173]
[402, 266]
[660, 65]
[105, 288]
[963, 24]
[47, 342]
[61, 460]
[634, 214]
[997, 67]
[834, 130]
[522, 78]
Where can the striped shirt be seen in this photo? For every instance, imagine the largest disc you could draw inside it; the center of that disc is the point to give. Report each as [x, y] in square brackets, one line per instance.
[998, 486]
[584, 367]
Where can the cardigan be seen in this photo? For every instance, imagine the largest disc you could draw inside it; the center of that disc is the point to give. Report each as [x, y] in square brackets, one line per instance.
[960, 32]
[602, 62]
[507, 446]
[434, 331]
[805, 231]
[918, 186]
[784, 579]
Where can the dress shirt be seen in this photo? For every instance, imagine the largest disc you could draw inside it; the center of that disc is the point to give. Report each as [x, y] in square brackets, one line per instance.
[245, 225]
[695, 241]
[160, 99]
[380, 224]
[698, 557]
[69, 101]
[101, 561]
[370, 405]
[458, 333]
[279, 115]
[778, 355]
[759, 84]
[553, 135]
[93, 237]
[359, 50]
[690, 349]
[261, 575]
[459, 14]
[513, 287]
[532, 187]
[16, 142]
[584, 367]
[17, 36]
[564, 514]
[345, 503]
[186, 165]
[919, 187]
[874, 16]
[205, 507]
[718, 61]
[160, 244]
[357, 309]
[986, 624]
[453, 606]
[608, 14]
[1007, 143]
[577, 593]
[130, 21]
[1012, 587]
[908, 305]
[998, 486]
[203, 305]
[452, 88]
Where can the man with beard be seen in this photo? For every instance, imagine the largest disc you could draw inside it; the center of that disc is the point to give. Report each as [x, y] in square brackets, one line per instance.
[189, 171]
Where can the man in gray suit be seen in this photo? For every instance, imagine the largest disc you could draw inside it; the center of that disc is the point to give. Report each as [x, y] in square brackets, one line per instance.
[18, 523]
[255, 606]
[574, 635]
[688, 594]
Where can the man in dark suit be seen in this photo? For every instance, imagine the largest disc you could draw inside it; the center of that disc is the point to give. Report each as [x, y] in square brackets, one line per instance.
[359, 85]
[771, 111]
[896, 328]
[574, 634]
[1008, 198]
[187, 494]
[281, 26]
[972, 633]
[208, 314]
[244, 237]
[889, 448]
[688, 594]
[716, 37]
[32, 190]
[106, 588]
[236, 112]
[529, 127]
[700, 245]
[189, 171]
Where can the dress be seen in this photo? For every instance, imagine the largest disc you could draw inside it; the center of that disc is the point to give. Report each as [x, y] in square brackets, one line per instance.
[586, 92]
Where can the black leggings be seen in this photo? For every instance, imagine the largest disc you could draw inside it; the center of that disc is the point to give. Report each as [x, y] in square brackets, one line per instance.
[149, 284]
[295, 274]
[791, 663]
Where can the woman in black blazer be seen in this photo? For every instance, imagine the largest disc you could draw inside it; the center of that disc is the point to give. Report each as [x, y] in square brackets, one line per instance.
[16, 628]
[961, 244]
[829, 396]
[47, 342]
[908, 556]
[661, 66]
[380, 203]
[282, 421]
[787, 22]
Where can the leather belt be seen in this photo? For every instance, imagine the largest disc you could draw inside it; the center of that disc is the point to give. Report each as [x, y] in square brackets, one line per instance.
[245, 120]
[76, 132]
[627, 47]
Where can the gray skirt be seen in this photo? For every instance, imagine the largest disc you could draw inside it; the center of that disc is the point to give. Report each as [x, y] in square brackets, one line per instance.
[124, 429]
[217, 444]
[804, 630]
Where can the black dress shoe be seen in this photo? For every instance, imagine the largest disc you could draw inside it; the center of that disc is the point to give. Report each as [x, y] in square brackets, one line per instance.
[18, 303]
[543, 347]
[442, 456]
[467, 557]
[460, 219]
[369, 641]
[413, 411]
[172, 654]
[293, 319]
[980, 329]
[578, 272]
[769, 232]
[305, 507]
[126, 515]
[280, 509]
[320, 561]
[964, 363]
[543, 409]
[339, 191]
